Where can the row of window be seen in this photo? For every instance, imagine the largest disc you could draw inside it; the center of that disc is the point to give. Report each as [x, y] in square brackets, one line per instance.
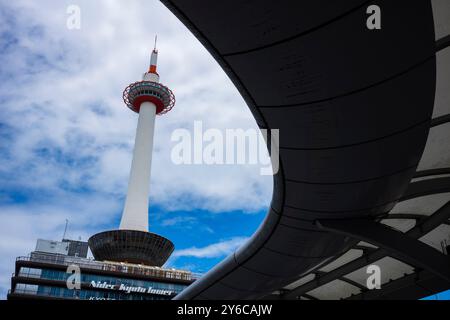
[88, 278]
[57, 292]
[148, 92]
[139, 92]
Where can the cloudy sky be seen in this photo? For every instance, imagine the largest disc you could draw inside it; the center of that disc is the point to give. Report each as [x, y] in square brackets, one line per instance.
[66, 138]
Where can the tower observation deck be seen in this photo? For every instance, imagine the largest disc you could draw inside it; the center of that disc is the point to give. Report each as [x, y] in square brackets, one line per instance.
[132, 242]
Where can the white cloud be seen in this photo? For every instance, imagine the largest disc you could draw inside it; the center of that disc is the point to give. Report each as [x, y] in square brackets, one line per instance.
[215, 250]
[177, 220]
[73, 104]
[64, 126]
[21, 225]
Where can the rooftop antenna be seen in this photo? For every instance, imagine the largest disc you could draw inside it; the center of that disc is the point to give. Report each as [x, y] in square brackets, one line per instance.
[65, 229]
[156, 38]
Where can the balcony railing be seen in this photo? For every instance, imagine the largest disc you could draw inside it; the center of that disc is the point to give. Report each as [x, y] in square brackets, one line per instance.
[125, 268]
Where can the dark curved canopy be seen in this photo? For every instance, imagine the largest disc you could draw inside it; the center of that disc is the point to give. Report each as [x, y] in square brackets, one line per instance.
[354, 108]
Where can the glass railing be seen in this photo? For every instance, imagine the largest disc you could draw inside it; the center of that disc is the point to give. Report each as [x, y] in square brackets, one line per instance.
[125, 268]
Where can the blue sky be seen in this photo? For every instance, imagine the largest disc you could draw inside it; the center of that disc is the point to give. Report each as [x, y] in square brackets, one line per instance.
[66, 137]
[440, 296]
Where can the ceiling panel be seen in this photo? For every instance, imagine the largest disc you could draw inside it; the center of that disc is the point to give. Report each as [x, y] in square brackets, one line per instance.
[437, 236]
[300, 282]
[345, 258]
[402, 225]
[437, 149]
[442, 97]
[391, 269]
[422, 205]
[441, 13]
[334, 290]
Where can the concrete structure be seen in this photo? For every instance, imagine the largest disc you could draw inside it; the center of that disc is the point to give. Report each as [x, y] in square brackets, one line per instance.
[45, 272]
[48, 246]
[135, 213]
[67, 247]
[77, 248]
[364, 158]
[132, 242]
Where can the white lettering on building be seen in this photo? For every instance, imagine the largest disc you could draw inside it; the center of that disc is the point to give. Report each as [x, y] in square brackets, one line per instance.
[130, 289]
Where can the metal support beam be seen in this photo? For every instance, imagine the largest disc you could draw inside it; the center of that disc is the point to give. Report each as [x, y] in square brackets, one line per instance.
[406, 216]
[431, 172]
[440, 120]
[443, 43]
[412, 286]
[307, 296]
[421, 228]
[427, 187]
[353, 283]
[407, 249]
[365, 249]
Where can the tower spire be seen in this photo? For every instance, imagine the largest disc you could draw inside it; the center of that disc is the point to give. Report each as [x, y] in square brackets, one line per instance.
[153, 59]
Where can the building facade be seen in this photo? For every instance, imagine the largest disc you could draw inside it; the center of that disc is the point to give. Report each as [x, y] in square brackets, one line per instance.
[49, 273]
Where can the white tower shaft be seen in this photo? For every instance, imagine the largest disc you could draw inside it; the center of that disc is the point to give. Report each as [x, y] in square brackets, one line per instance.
[135, 213]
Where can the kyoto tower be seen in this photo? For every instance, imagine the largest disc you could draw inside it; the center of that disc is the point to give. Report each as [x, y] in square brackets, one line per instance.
[133, 242]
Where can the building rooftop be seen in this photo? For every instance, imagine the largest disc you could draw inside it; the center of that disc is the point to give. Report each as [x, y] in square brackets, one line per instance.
[120, 267]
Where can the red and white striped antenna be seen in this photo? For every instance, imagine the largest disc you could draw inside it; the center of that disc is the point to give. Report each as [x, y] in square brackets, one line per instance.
[153, 59]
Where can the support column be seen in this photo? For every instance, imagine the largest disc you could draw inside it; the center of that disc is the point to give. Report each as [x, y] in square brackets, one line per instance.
[135, 213]
[399, 245]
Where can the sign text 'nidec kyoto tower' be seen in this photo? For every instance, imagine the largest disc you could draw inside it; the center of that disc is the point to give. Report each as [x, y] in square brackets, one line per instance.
[132, 242]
